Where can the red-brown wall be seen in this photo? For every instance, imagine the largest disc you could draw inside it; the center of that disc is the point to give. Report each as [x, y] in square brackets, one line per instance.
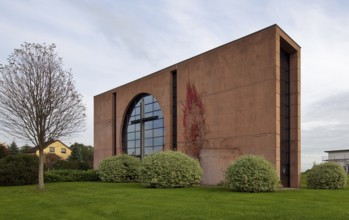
[240, 86]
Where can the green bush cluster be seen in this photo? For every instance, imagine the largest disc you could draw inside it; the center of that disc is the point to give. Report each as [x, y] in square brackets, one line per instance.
[252, 173]
[327, 176]
[19, 169]
[121, 168]
[170, 170]
[71, 176]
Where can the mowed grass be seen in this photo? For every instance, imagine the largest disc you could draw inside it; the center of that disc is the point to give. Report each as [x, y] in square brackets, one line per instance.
[98, 200]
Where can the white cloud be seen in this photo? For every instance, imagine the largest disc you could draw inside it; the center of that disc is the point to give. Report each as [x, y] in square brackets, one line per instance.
[109, 43]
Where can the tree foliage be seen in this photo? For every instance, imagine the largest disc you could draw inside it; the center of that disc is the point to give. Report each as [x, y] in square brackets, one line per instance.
[82, 153]
[194, 122]
[38, 99]
[25, 148]
[51, 160]
[3, 151]
[13, 149]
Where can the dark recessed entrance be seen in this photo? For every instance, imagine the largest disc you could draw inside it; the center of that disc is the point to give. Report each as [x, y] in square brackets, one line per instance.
[285, 118]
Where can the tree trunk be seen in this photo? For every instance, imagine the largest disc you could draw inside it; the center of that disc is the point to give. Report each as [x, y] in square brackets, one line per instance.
[41, 169]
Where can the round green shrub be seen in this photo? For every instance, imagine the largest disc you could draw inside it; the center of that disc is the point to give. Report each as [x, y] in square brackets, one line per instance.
[19, 169]
[169, 169]
[121, 168]
[252, 173]
[327, 176]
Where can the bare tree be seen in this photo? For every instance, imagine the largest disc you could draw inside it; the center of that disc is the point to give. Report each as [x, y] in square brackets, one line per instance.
[38, 99]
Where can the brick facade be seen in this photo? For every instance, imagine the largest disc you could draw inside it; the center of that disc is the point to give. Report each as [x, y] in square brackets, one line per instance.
[241, 89]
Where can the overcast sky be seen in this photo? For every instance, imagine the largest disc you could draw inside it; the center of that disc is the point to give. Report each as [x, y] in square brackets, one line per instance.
[110, 43]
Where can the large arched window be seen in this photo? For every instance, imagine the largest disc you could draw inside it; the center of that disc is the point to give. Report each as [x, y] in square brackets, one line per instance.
[143, 131]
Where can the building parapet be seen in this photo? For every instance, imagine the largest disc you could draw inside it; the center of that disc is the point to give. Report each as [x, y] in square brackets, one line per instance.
[336, 157]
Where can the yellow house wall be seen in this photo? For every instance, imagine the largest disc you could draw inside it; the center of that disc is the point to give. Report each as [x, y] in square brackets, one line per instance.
[58, 146]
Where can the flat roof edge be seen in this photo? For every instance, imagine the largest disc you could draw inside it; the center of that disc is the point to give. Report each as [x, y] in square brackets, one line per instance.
[329, 151]
[193, 57]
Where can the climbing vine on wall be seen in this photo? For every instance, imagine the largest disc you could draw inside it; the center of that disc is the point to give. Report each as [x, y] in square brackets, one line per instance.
[194, 123]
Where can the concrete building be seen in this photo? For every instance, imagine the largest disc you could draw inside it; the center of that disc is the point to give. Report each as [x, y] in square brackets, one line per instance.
[338, 156]
[251, 92]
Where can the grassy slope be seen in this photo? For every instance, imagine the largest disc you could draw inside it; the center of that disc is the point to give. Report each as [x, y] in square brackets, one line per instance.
[96, 200]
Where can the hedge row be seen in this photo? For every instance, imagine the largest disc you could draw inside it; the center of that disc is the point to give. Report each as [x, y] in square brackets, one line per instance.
[169, 170]
[164, 169]
[71, 176]
[22, 169]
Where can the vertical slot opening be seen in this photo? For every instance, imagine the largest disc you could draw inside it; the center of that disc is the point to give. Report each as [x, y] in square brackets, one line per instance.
[114, 123]
[174, 109]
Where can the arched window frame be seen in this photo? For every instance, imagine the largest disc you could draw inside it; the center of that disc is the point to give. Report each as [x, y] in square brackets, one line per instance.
[143, 130]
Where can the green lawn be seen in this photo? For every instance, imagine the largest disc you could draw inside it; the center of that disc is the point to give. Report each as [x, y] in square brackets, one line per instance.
[97, 200]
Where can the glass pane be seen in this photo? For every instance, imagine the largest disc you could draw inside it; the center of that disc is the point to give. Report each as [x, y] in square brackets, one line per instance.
[148, 150]
[131, 136]
[138, 135]
[131, 128]
[138, 143]
[148, 142]
[148, 133]
[138, 151]
[131, 151]
[156, 106]
[158, 149]
[133, 112]
[158, 113]
[148, 108]
[148, 99]
[158, 132]
[137, 110]
[148, 125]
[130, 144]
[158, 141]
[149, 114]
[159, 123]
[138, 127]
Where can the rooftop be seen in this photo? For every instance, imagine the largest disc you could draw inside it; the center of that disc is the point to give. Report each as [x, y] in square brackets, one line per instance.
[332, 151]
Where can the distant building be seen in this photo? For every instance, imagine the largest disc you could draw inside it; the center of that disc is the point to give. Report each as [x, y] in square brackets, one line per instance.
[250, 89]
[338, 156]
[53, 147]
